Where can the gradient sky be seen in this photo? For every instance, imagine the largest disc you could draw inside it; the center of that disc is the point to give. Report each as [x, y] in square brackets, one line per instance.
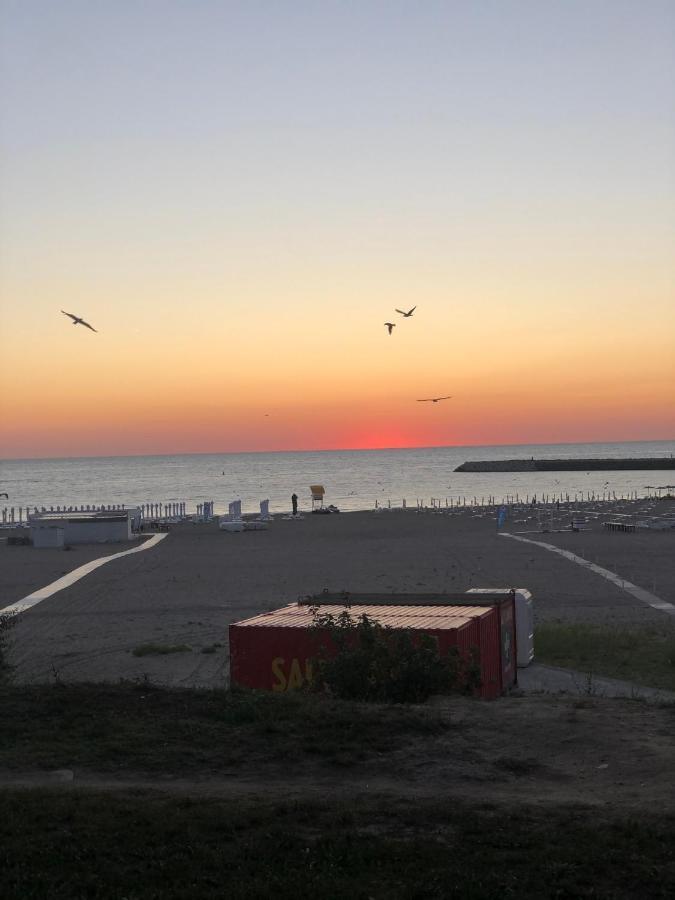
[238, 194]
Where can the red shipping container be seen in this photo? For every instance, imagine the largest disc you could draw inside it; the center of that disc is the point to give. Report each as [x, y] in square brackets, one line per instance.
[273, 651]
[504, 601]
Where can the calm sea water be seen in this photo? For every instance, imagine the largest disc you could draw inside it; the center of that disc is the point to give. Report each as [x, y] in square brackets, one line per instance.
[353, 479]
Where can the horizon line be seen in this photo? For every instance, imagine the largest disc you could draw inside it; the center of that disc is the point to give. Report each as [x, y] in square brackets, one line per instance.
[330, 450]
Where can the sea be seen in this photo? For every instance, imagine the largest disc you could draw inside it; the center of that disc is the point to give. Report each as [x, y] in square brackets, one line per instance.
[353, 479]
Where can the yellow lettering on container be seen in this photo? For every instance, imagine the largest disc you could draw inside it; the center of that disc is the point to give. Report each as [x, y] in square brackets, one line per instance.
[295, 676]
[278, 672]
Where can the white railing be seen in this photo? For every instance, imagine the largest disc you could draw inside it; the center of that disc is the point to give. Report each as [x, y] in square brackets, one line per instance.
[13, 516]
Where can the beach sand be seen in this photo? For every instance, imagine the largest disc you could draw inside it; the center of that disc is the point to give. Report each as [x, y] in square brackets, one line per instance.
[186, 590]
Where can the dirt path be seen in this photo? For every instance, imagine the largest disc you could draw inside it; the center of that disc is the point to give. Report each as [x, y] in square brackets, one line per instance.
[522, 791]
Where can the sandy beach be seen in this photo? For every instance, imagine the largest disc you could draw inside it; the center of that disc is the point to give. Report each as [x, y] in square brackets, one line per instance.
[187, 589]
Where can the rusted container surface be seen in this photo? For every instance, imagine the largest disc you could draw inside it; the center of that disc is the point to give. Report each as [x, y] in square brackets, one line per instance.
[274, 651]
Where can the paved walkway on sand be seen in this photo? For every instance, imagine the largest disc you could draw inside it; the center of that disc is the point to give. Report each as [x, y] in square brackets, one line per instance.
[71, 577]
[637, 592]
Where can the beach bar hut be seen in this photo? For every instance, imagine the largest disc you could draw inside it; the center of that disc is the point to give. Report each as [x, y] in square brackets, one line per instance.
[274, 651]
[47, 536]
[85, 527]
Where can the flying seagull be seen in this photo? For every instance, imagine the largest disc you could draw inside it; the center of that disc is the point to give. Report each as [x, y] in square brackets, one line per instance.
[407, 315]
[77, 320]
[390, 326]
[434, 399]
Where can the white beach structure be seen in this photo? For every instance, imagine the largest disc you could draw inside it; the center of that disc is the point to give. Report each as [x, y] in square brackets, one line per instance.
[232, 521]
[47, 536]
[524, 622]
[104, 526]
[265, 515]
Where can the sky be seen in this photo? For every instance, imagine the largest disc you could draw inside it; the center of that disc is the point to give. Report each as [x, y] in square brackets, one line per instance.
[238, 195]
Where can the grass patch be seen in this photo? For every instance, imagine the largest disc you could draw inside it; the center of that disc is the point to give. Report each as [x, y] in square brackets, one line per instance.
[160, 649]
[70, 845]
[139, 728]
[645, 655]
[211, 648]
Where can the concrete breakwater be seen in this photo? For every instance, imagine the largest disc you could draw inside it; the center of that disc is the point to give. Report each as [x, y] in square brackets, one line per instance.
[568, 465]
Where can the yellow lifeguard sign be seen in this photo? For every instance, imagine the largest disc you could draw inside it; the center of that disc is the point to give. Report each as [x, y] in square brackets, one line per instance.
[317, 491]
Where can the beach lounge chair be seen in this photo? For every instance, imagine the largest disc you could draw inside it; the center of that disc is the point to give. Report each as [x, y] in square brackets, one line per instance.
[260, 523]
[265, 512]
[656, 524]
[232, 521]
[580, 525]
[255, 525]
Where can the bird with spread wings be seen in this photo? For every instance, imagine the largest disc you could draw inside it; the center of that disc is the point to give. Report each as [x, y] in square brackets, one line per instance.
[434, 399]
[406, 315]
[390, 326]
[78, 321]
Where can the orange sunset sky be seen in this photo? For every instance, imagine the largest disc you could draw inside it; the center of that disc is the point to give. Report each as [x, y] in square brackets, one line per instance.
[237, 196]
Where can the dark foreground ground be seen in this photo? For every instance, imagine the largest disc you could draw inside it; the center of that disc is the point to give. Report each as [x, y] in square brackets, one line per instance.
[144, 844]
[139, 792]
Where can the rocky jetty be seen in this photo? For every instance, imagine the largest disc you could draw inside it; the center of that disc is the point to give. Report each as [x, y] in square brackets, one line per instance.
[568, 465]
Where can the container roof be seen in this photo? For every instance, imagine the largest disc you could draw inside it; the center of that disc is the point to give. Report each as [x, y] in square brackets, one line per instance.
[414, 617]
[372, 598]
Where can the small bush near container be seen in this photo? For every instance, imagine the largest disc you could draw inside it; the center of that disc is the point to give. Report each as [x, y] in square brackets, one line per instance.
[377, 663]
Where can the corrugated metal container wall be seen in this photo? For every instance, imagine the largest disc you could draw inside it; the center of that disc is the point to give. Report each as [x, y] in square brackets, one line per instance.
[498, 643]
[491, 670]
[507, 641]
[523, 617]
[272, 658]
[274, 651]
[482, 637]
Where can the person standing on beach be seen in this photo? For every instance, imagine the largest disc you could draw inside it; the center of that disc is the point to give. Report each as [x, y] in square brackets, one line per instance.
[294, 501]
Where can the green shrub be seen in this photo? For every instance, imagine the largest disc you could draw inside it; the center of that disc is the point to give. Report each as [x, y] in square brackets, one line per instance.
[377, 663]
